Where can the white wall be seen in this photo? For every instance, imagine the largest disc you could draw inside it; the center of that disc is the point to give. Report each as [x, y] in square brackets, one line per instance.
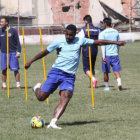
[96, 9]
[44, 12]
[42, 9]
[10, 7]
[47, 39]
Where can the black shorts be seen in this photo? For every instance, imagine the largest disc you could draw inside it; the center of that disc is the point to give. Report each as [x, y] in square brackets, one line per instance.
[85, 59]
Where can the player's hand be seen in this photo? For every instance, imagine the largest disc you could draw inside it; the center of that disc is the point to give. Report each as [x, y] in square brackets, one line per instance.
[27, 65]
[17, 55]
[121, 43]
[104, 60]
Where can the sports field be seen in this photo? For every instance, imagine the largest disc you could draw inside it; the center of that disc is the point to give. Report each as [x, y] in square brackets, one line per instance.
[116, 115]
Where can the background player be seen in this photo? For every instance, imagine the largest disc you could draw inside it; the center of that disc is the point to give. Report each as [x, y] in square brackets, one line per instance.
[94, 32]
[63, 70]
[110, 54]
[14, 51]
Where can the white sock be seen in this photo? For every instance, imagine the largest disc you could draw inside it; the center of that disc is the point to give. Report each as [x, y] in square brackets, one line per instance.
[53, 121]
[4, 84]
[53, 124]
[38, 85]
[106, 84]
[18, 84]
[93, 78]
[119, 81]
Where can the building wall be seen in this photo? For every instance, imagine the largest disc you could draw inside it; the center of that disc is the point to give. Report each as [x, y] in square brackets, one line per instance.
[42, 11]
[126, 7]
[62, 11]
[10, 7]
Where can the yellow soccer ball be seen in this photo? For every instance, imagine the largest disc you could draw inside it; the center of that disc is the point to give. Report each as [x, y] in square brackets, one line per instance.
[37, 122]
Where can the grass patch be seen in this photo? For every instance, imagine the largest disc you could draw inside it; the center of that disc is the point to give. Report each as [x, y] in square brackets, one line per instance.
[116, 115]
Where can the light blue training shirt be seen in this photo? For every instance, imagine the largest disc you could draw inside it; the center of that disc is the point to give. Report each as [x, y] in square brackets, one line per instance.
[111, 35]
[68, 57]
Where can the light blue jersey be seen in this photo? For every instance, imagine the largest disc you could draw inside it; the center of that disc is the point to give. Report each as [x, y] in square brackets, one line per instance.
[111, 35]
[69, 55]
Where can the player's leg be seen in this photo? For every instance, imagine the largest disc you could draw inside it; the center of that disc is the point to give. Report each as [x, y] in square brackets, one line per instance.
[118, 77]
[94, 80]
[86, 69]
[106, 81]
[4, 69]
[66, 92]
[17, 77]
[65, 97]
[106, 71]
[49, 86]
[4, 79]
[116, 69]
[93, 60]
[41, 95]
[14, 66]
[106, 77]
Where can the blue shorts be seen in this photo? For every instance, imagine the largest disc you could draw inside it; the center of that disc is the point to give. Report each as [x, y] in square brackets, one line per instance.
[114, 62]
[57, 77]
[13, 61]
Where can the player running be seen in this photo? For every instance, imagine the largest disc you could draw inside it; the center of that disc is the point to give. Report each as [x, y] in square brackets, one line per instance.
[94, 32]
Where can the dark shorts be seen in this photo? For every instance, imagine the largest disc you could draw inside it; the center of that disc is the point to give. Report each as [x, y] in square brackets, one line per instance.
[57, 77]
[13, 61]
[85, 59]
[114, 62]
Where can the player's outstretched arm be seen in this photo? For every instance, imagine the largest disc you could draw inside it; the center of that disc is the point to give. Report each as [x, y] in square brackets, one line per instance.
[106, 42]
[38, 56]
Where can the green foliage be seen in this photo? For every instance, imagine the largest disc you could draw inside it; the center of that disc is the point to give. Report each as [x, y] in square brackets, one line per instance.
[116, 115]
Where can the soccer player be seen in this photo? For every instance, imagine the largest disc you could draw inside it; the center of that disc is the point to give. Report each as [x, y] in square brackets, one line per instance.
[94, 32]
[14, 52]
[63, 70]
[110, 54]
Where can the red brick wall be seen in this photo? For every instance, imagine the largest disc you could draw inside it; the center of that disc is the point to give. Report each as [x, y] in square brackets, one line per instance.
[60, 17]
[126, 6]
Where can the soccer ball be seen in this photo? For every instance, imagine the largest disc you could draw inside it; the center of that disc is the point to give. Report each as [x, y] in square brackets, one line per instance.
[37, 122]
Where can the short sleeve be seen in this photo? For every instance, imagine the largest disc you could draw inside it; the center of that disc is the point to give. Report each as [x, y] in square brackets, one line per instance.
[118, 38]
[101, 36]
[86, 42]
[53, 46]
